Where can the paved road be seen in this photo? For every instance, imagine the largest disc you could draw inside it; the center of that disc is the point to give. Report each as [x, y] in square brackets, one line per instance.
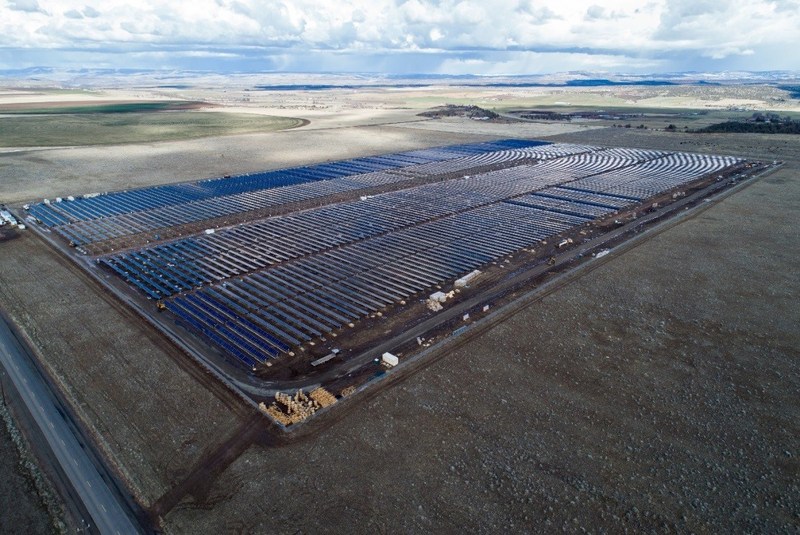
[108, 515]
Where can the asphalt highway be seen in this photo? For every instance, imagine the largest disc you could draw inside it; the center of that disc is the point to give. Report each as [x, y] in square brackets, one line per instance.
[108, 515]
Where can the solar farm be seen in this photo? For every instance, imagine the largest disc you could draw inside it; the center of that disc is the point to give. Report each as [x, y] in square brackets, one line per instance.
[275, 270]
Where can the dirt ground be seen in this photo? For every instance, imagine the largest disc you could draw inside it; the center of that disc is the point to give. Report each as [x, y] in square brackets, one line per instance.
[22, 510]
[658, 392]
[139, 398]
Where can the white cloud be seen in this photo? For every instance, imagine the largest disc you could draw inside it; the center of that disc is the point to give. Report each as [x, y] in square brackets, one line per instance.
[642, 31]
[29, 6]
[595, 12]
[720, 29]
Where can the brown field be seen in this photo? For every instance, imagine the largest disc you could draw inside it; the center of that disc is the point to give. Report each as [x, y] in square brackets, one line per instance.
[138, 396]
[19, 501]
[657, 392]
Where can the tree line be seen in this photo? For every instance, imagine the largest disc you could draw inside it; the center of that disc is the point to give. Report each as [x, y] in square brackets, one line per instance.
[759, 123]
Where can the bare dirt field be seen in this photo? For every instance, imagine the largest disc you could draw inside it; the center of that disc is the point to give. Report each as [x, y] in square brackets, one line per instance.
[145, 407]
[658, 392]
[38, 96]
[19, 503]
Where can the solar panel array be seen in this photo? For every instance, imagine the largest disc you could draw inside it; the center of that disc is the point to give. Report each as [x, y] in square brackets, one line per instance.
[165, 269]
[263, 314]
[97, 218]
[258, 289]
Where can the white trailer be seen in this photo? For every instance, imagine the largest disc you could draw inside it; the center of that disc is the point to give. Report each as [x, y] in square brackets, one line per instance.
[466, 279]
[390, 360]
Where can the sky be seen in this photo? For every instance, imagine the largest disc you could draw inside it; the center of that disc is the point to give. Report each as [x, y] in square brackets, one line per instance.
[451, 37]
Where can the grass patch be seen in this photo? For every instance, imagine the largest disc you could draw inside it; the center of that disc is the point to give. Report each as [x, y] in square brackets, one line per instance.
[131, 127]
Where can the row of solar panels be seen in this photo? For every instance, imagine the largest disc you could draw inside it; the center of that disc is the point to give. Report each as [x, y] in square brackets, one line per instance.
[263, 314]
[183, 264]
[88, 208]
[135, 222]
[652, 177]
[258, 289]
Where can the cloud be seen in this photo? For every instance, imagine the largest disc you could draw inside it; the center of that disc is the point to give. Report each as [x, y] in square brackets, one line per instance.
[624, 32]
[786, 6]
[28, 6]
[595, 12]
[537, 15]
[720, 29]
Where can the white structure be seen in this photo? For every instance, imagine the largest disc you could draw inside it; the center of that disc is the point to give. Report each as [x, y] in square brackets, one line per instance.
[324, 359]
[439, 297]
[390, 360]
[209, 231]
[466, 279]
[602, 253]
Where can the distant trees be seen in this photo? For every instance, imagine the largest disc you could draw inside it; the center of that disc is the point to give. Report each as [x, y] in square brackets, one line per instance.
[759, 117]
[794, 90]
[453, 110]
[759, 123]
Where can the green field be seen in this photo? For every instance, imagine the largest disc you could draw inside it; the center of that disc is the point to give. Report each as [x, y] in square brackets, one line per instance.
[117, 107]
[130, 127]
